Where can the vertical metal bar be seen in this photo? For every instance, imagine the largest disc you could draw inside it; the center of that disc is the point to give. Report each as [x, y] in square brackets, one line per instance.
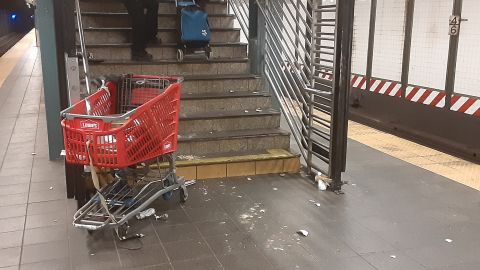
[371, 42]
[407, 44]
[347, 38]
[341, 86]
[452, 57]
[310, 97]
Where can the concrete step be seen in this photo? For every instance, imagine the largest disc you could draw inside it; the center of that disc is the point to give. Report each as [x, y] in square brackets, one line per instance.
[164, 51]
[222, 121]
[222, 83]
[236, 164]
[201, 144]
[213, 7]
[168, 35]
[165, 20]
[236, 101]
[169, 67]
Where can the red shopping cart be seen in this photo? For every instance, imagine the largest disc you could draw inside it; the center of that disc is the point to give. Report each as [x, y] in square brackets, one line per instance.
[127, 127]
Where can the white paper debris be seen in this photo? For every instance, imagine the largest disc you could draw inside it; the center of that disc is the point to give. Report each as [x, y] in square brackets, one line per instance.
[448, 240]
[33, 153]
[146, 213]
[275, 188]
[317, 204]
[255, 92]
[321, 185]
[259, 110]
[303, 233]
[63, 153]
[163, 217]
[51, 188]
[249, 179]
[354, 184]
[246, 111]
[262, 211]
[393, 256]
[312, 201]
[282, 175]
[232, 91]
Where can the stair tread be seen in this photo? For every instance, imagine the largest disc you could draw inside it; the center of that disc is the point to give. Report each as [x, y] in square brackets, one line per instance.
[236, 94]
[232, 134]
[103, 13]
[169, 61]
[227, 114]
[159, 29]
[232, 157]
[127, 44]
[220, 77]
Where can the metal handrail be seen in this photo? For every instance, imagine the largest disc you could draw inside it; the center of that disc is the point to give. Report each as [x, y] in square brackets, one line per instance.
[83, 52]
[299, 49]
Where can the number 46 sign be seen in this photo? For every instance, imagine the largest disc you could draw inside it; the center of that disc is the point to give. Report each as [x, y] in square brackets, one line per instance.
[454, 25]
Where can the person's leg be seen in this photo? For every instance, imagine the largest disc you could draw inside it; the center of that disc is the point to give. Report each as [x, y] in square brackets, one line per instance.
[139, 42]
[151, 19]
[202, 3]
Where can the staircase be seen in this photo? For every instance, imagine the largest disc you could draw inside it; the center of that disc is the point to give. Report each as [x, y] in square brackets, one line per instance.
[227, 124]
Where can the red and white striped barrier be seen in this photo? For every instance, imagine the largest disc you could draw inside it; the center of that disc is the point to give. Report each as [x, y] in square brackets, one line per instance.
[425, 96]
[467, 105]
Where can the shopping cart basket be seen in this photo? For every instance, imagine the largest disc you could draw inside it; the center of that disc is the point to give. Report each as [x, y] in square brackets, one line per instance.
[126, 130]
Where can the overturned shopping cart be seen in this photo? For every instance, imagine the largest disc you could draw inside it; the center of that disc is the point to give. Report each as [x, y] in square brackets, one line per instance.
[125, 129]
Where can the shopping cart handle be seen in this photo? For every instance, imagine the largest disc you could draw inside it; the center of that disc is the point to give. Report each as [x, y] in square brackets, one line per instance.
[104, 118]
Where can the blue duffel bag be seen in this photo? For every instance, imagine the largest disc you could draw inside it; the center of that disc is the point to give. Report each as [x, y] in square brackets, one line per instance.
[194, 26]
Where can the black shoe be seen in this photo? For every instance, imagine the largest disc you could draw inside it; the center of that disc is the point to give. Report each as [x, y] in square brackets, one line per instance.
[155, 41]
[142, 56]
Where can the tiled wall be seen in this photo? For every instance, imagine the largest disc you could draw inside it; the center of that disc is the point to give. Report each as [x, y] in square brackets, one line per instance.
[389, 38]
[467, 79]
[430, 41]
[360, 36]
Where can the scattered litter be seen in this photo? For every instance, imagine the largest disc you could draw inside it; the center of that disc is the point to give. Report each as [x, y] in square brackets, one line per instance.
[393, 256]
[322, 185]
[223, 222]
[240, 196]
[249, 179]
[246, 111]
[312, 201]
[51, 188]
[187, 157]
[190, 182]
[303, 233]
[162, 217]
[282, 175]
[354, 184]
[92, 254]
[262, 210]
[63, 153]
[277, 248]
[259, 110]
[259, 217]
[448, 240]
[211, 132]
[317, 204]
[245, 216]
[232, 91]
[33, 153]
[234, 187]
[146, 213]
[255, 92]
[55, 221]
[275, 188]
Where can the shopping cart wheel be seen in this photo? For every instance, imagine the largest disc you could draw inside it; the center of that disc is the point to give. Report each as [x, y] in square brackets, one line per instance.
[180, 55]
[183, 194]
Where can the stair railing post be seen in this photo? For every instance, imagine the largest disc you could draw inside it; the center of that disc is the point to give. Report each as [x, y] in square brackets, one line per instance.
[256, 38]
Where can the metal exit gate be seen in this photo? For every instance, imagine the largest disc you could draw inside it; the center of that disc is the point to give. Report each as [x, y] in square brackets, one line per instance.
[303, 49]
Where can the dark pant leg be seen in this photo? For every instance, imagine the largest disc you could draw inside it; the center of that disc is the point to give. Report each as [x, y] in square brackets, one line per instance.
[202, 3]
[136, 10]
[151, 18]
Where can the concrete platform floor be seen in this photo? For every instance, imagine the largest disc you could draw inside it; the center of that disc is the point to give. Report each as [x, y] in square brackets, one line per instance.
[393, 215]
